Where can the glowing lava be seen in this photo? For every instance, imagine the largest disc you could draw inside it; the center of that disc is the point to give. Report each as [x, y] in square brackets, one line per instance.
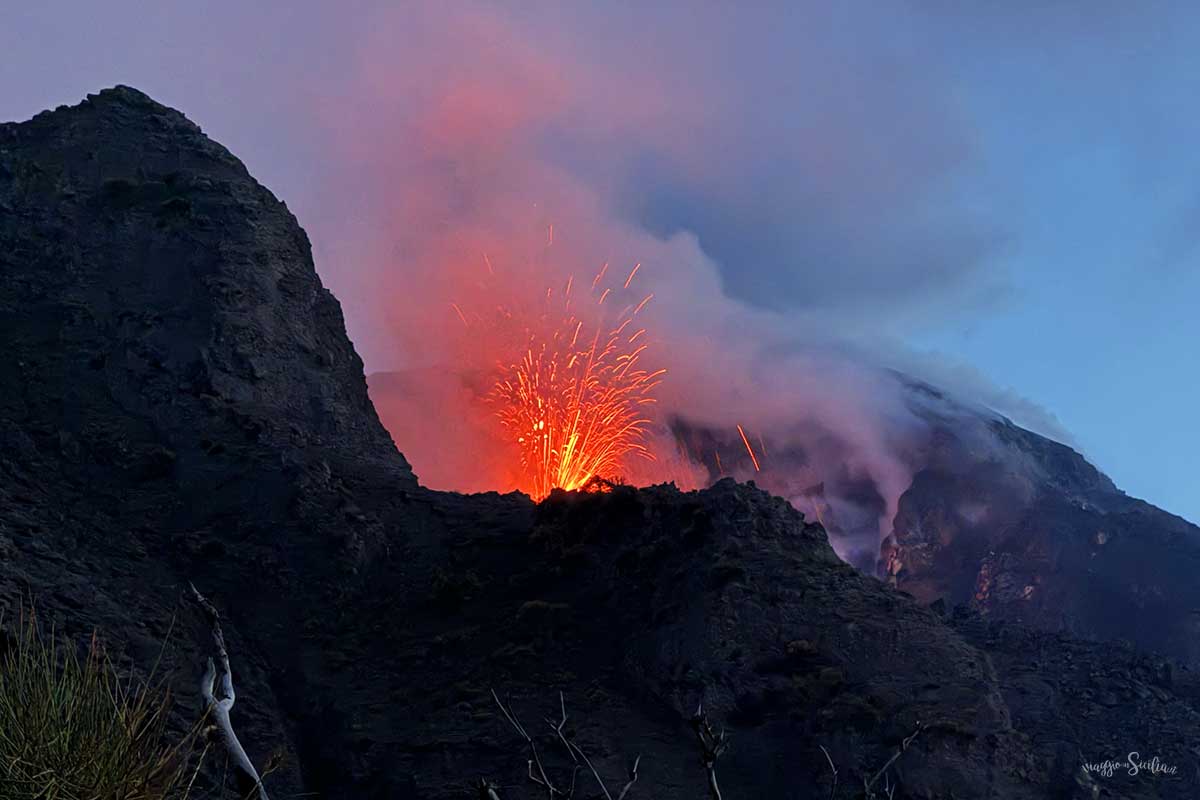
[749, 449]
[575, 403]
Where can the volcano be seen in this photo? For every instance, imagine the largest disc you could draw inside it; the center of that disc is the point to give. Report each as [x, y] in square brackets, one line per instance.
[996, 518]
[182, 406]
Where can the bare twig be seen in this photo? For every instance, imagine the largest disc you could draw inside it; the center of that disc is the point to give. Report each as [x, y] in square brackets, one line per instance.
[588, 762]
[579, 759]
[832, 789]
[712, 745]
[540, 777]
[558, 728]
[633, 776]
[487, 790]
[889, 790]
[249, 783]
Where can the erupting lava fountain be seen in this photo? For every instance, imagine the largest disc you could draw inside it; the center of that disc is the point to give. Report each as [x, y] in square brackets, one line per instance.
[575, 400]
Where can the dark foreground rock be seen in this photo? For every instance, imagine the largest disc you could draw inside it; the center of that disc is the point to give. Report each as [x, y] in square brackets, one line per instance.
[180, 403]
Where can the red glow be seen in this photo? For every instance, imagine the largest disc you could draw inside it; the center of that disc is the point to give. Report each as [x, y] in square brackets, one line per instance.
[575, 402]
[749, 449]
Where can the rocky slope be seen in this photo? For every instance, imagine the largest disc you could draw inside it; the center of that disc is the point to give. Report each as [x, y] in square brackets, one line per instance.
[1024, 529]
[181, 403]
[996, 517]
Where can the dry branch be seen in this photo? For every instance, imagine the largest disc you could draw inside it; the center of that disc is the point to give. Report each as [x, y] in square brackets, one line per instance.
[536, 768]
[832, 789]
[712, 745]
[889, 790]
[487, 790]
[246, 776]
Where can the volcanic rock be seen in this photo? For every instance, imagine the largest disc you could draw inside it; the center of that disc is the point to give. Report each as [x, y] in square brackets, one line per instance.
[1024, 529]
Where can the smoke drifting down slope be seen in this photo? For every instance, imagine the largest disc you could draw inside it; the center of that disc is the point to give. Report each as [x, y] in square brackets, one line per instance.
[488, 181]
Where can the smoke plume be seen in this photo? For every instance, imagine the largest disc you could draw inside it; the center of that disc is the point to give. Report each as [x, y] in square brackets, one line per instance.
[493, 156]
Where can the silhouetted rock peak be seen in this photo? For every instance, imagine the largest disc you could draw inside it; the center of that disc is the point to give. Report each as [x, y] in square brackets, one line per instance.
[178, 282]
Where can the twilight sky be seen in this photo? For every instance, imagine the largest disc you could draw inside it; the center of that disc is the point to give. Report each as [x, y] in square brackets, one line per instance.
[1007, 195]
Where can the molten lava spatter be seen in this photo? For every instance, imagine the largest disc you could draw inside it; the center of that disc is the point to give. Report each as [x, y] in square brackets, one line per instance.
[575, 401]
[749, 449]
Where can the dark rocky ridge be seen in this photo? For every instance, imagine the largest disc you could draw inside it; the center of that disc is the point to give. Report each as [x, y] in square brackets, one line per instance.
[1013, 524]
[1024, 529]
[181, 403]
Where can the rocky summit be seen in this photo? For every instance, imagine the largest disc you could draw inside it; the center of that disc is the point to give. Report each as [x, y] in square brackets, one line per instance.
[1026, 530]
[181, 405]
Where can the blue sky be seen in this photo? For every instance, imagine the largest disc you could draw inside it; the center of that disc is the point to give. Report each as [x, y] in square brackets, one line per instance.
[1104, 258]
[1011, 187]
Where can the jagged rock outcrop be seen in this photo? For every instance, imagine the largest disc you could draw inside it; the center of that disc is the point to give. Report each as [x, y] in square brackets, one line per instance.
[1026, 530]
[179, 388]
[181, 403]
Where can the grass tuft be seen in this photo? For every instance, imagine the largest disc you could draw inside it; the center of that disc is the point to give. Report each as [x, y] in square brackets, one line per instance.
[71, 729]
